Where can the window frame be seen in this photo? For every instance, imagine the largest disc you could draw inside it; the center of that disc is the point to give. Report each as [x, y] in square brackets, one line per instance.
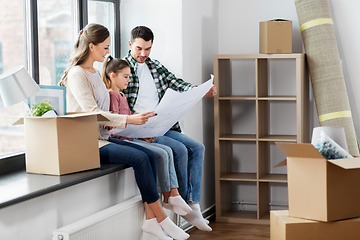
[79, 21]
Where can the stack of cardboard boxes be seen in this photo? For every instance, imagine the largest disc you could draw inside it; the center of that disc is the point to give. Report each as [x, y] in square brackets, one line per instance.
[324, 197]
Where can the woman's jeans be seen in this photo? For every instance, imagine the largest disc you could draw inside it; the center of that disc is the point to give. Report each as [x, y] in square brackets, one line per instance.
[164, 164]
[188, 159]
[142, 160]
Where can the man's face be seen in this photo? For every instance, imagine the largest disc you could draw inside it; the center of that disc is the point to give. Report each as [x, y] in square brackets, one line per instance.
[140, 49]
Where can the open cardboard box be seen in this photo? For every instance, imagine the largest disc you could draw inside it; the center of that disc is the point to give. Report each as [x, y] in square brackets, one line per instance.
[63, 144]
[320, 189]
[283, 227]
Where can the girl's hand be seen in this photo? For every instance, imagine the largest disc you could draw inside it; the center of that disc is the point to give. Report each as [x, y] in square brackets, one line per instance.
[149, 140]
[139, 118]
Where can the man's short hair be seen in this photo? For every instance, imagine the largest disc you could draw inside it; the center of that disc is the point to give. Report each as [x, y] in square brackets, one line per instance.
[142, 32]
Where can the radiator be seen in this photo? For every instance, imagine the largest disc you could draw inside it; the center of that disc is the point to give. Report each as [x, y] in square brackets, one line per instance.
[122, 221]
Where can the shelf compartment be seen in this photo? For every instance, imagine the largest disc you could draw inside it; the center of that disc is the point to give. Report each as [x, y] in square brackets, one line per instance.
[269, 155]
[236, 117]
[239, 177]
[273, 75]
[236, 216]
[227, 72]
[276, 118]
[237, 157]
[278, 196]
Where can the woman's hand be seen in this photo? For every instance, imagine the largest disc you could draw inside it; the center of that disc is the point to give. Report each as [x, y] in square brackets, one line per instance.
[139, 118]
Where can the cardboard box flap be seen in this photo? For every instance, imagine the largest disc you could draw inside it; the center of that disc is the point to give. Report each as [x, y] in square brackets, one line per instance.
[100, 117]
[347, 163]
[299, 150]
[282, 163]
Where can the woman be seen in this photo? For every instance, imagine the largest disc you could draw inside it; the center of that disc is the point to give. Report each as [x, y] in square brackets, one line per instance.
[86, 92]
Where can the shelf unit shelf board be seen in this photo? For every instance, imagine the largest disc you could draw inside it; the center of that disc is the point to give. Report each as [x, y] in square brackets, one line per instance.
[238, 137]
[278, 138]
[281, 178]
[240, 177]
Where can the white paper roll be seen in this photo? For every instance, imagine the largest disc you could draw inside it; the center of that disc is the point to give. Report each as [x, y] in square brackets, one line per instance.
[335, 133]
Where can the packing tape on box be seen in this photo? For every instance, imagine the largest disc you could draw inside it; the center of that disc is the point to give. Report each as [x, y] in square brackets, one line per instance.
[316, 22]
[327, 78]
[334, 115]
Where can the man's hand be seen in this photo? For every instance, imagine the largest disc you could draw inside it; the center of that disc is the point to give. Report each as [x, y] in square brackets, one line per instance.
[139, 118]
[212, 92]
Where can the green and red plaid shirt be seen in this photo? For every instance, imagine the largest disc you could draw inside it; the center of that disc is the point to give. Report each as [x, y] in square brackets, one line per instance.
[163, 79]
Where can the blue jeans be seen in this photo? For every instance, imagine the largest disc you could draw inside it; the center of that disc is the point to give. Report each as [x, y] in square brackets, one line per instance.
[188, 159]
[164, 164]
[142, 160]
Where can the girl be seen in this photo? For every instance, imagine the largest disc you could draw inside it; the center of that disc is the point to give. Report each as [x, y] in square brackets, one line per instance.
[115, 75]
[86, 92]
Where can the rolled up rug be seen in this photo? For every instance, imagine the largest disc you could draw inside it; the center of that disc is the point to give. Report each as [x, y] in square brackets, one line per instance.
[331, 99]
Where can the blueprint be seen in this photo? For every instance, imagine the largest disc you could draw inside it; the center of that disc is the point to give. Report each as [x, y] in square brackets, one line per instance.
[172, 107]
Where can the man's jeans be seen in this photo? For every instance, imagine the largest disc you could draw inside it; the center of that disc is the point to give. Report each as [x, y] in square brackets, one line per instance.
[188, 159]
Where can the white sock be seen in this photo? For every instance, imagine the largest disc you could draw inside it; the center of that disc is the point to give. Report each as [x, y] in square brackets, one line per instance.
[196, 206]
[174, 231]
[153, 227]
[175, 209]
[196, 219]
[178, 203]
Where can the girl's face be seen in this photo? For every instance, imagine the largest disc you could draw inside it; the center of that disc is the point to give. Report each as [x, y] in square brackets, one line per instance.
[121, 78]
[98, 52]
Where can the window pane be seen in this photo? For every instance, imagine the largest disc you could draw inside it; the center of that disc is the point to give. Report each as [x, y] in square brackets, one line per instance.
[11, 55]
[103, 13]
[55, 39]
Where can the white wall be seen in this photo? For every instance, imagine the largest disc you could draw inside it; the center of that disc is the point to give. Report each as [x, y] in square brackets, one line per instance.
[200, 43]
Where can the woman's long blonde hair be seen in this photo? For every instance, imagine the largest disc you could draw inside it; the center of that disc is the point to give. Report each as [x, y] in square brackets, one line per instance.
[91, 33]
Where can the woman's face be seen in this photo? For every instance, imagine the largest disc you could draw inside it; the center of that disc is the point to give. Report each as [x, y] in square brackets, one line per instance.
[121, 78]
[98, 52]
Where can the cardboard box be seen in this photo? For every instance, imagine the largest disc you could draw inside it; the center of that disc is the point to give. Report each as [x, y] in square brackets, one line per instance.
[275, 36]
[320, 189]
[283, 227]
[63, 144]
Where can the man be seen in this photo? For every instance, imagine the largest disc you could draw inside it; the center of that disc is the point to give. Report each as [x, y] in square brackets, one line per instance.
[149, 80]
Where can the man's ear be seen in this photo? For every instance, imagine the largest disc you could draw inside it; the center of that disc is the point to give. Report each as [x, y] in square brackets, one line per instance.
[130, 43]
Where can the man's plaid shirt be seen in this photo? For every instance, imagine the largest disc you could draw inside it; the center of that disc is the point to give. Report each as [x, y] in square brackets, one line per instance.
[163, 80]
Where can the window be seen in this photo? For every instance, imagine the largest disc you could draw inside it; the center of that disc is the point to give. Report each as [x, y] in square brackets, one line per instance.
[1, 61]
[55, 35]
[51, 26]
[11, 55]
[104, 12]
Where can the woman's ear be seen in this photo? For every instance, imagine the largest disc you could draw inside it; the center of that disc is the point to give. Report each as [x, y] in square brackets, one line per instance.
[91, 46]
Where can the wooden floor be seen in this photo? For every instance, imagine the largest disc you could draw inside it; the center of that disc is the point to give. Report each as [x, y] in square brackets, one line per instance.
[232, 231]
